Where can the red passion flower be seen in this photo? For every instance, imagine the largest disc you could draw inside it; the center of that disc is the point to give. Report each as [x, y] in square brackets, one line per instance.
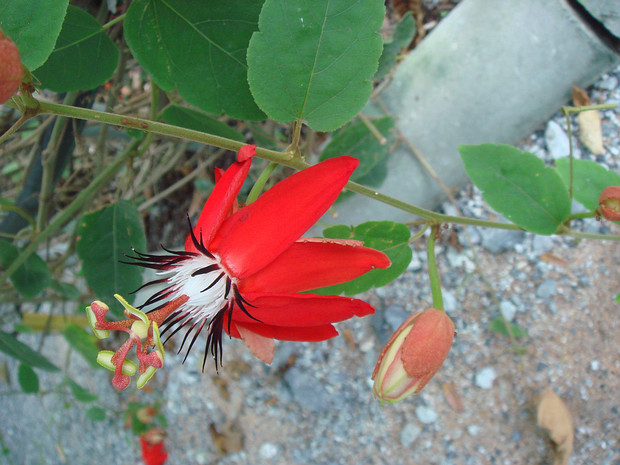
[243, 269]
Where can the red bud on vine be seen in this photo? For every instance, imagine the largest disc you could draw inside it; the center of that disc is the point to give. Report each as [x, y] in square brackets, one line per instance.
[413, 355]
[11, 68]
[609, 203]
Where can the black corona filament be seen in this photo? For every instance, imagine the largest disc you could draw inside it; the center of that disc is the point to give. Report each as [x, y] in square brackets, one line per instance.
[181, 318]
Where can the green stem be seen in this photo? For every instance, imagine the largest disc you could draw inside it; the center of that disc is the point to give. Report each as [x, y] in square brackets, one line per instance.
[65, 215]
[600, 237]
[15, 127]
[432, 269]
[270, 155]
[114, 21]
[603, 106]
[48, 162]
[293, 148]
[570, 152]
[260, 182]
[577, 216]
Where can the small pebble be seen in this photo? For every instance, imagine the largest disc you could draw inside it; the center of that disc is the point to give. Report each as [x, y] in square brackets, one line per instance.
[449, 301]
[556, 140]
[546, 289]
[268, 450]
[409, 433]
[501, 240]
[595, 365]
[485, 378]
[426, 414]
[473, 430]
[609, 82]
[508, 309]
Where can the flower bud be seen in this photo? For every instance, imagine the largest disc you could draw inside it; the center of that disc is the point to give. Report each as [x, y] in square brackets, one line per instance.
[413, 355]
[609, 203]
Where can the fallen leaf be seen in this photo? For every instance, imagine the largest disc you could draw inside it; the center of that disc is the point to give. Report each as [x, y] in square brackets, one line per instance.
[590, 132]
[222, 386]
[554, 259]
[580, 97]
[553, 416]
[349, 336]
[230, 440]
[236, 368]
[453, 399]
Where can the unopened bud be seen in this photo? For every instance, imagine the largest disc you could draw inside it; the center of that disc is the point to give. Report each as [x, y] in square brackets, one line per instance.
[609, 203]
[413, 355]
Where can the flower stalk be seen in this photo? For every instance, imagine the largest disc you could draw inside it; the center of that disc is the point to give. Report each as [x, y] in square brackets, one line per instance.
[433, 274]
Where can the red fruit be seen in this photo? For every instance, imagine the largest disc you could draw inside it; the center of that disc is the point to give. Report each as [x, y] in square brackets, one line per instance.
[609, 203]
[11, 69]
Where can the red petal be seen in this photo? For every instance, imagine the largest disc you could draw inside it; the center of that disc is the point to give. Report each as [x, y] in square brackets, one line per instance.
[313, 263]
[284, 333]
[222, 199]
[262, 347]
[300, 309]
[254, 236]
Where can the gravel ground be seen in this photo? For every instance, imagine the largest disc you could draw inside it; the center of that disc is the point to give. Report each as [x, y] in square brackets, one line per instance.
[314, 404]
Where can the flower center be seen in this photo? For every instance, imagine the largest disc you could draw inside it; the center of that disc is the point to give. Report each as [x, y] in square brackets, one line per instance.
[205, 282]
[205, 292]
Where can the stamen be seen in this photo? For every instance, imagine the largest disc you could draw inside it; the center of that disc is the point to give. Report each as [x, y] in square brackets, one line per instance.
[214, 283]
[199, 245]
[191, 344]
[206, 269]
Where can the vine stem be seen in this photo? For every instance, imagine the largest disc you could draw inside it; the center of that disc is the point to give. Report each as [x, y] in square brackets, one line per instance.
[282, 158]
[433, 274]
[25, 117]
[258, 186]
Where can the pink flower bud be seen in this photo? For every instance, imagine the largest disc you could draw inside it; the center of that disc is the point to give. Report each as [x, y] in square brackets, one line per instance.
[609, 202]
[413, 355]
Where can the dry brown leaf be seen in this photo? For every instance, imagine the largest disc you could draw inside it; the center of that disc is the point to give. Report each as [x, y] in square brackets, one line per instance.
[236, 368]
[222, 386]
[590, 132]
[349, 336]
[553, 416]
[453, 399]
[554, 259]
[580, 97]
[230, 440]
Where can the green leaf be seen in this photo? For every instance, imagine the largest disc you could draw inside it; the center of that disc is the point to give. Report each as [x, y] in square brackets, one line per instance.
[84, 56]
[199, 121]
[32, 277]
[28, 379]
[617, 299]
[518, 185]
[66, 290]
[403, 34]
[95, 414]
[81, 394]
[103, 236]
[498, 325]
[389, 237]
[314, 61]
[83, 342]
[357, 141]
[16, 349]
[589, 180]
[199, 48]
[34, 26]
